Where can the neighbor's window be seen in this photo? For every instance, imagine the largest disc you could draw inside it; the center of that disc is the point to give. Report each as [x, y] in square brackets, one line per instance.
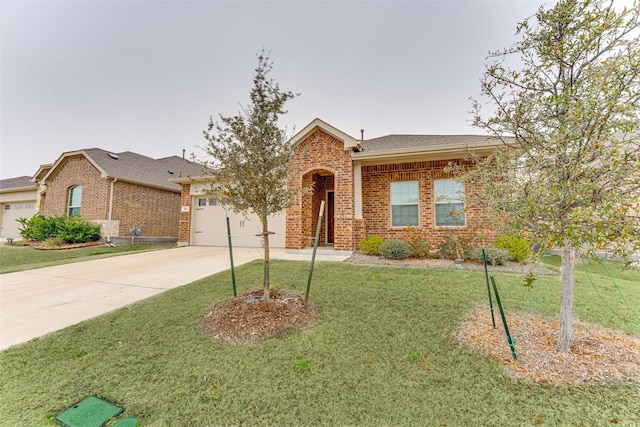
[404, 203]
[75, 199]
[449, 200]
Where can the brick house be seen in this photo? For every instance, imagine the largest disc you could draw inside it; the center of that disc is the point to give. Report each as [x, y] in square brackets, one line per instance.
[119, 191]
[376, 186]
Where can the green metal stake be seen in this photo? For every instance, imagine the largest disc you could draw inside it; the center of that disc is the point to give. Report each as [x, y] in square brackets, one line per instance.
[315, 246]
[486, 276]
[233, 272]
[512, 343]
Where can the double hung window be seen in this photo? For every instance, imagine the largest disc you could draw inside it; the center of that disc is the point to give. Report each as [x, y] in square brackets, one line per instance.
[404, 203]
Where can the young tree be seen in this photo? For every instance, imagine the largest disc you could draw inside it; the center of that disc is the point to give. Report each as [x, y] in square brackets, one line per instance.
[568, 174]
[253, 155]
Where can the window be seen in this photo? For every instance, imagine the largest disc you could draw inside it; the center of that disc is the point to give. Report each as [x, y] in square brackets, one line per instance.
[404, 203]
[75, 200]
[7, 207]
[202, 202]
[449, 200]
[213, 202]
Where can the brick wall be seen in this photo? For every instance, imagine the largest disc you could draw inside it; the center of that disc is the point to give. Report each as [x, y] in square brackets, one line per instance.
[133, 204]
[77, 170]
[323, 156]
[376, 203]
[156, 211]
[184, 226]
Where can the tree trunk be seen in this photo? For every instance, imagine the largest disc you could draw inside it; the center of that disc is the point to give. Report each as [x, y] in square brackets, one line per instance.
[265, 236]
[565, 334]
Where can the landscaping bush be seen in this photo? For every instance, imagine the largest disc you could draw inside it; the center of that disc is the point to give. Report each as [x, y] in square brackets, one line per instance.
[519, 249]
[418, 242]
[62, 228]
[371, 245]
[395, 249]
[494, 256]
[454, 247]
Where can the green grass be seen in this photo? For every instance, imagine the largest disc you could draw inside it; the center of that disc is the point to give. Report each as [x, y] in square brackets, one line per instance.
[380, 355]
[20, 258]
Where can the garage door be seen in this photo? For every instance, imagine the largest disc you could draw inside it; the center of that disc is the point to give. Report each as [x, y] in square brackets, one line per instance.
[13, 211]
[209, 227]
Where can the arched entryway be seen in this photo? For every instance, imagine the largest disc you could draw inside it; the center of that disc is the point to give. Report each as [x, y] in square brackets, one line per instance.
[321, 185]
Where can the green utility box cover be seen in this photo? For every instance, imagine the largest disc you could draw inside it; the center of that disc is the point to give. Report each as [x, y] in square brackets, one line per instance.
[89, 412]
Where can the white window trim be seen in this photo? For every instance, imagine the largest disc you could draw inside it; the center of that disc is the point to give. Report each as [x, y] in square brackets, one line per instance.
[436, 203]
[391, 205]
[78, 207]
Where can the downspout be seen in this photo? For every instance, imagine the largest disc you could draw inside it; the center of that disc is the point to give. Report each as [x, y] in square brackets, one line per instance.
[110, 209]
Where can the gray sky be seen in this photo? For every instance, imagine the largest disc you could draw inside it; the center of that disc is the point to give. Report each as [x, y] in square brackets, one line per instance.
[145, 76]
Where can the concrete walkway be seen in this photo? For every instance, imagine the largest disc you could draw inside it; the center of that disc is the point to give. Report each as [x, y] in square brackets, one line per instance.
[36, 302]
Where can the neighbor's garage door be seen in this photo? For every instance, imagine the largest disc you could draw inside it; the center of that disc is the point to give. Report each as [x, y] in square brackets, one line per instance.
[209, 227]
[13, 211]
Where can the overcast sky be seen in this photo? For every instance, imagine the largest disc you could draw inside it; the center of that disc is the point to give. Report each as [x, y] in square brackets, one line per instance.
[145, 76]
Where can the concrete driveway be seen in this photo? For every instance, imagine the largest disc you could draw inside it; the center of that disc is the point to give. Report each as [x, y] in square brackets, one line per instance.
[36, 302]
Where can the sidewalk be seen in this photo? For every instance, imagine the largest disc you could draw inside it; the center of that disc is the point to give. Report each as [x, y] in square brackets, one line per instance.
[36, 302]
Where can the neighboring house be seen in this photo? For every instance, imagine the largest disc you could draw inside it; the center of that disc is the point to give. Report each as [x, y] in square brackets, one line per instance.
[377, 186]
[17, 200]
[119, 191]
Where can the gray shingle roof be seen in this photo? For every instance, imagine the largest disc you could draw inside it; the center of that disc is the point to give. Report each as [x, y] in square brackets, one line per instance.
[399, 142]
[135, 167]
[18, 182]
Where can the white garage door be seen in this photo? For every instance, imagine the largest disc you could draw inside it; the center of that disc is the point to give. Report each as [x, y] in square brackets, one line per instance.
[209, 226]
[13, 211]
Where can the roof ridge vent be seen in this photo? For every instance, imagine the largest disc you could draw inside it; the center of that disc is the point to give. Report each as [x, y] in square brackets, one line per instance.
[113, 156]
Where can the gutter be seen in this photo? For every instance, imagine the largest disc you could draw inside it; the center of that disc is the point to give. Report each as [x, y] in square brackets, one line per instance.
[112, 186]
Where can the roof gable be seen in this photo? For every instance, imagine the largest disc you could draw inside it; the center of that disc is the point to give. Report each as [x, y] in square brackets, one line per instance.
[135, 168]
[348, 141]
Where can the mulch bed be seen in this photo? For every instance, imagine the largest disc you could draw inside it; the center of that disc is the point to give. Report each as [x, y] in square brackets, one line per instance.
[598, 355]
[64, 247]
[248, 319]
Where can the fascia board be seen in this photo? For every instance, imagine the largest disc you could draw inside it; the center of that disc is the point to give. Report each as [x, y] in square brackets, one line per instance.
[57, 163]
[348, 141]
[433, 153]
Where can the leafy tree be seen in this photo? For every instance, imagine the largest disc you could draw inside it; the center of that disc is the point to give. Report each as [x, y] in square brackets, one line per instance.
[567, 173]
[253, 155]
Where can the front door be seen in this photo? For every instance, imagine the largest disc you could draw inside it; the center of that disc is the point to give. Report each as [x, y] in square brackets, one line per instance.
[330, 205]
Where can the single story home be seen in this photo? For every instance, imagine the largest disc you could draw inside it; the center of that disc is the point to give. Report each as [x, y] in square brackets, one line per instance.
[376, 186]
[17, 200]
[122, 192]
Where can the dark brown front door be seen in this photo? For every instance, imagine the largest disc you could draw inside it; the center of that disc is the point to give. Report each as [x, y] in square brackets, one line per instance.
[330, 217]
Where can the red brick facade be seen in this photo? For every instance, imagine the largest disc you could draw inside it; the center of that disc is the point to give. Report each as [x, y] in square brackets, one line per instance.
[321, 164]
[184, 227]
[376, 201]
[156, 211]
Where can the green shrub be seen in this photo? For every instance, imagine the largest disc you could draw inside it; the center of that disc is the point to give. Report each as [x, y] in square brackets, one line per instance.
[494, 256]
[454, 247]
[395, 249]
[519, 249]
[418, 242]
[67, 229]
[371, 245]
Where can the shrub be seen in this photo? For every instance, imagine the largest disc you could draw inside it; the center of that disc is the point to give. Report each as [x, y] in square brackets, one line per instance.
[519, 249]
[494, 256]
[418, 242]
[66, 229]
[454, 247]
[371, 245]
[395, 249]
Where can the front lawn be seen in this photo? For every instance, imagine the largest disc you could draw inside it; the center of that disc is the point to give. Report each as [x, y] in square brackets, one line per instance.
[20, 258]
[381, 354]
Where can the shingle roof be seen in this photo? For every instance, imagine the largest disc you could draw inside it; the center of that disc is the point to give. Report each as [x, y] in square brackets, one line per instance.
[399, 142]
[18, 182]
[135, 167]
